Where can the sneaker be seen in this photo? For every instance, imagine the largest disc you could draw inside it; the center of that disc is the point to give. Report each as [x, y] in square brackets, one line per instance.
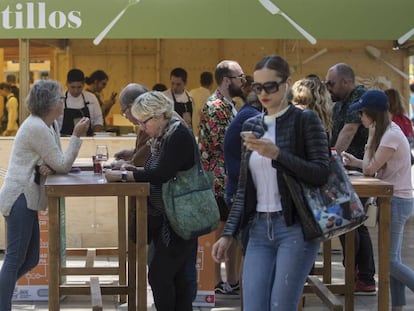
[235, 287]
[363, 289]
[224, 288]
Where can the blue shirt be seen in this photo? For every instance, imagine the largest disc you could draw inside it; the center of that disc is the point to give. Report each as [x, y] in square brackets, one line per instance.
[232, 148]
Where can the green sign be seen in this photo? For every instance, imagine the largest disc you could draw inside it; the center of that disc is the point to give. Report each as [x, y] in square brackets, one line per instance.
[311, 20]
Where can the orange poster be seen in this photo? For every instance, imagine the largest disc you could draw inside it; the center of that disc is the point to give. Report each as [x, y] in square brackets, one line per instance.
[206, 275]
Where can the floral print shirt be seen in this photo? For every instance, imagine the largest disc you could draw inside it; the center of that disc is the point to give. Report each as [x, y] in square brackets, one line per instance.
[215, 117]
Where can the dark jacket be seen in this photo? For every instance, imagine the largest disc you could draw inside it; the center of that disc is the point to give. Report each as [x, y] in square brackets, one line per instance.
[308, 163]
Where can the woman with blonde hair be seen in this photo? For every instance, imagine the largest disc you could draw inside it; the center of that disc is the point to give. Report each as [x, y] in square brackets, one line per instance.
[311, 93]
[173, 148]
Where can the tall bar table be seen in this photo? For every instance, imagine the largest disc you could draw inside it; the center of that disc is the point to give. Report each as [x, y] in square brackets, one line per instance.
[365, 187]
[86, 184]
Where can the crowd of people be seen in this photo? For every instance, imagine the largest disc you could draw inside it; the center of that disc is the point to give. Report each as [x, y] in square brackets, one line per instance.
[258, 217]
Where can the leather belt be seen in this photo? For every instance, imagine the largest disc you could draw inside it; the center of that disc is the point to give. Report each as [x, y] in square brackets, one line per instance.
[269, 214]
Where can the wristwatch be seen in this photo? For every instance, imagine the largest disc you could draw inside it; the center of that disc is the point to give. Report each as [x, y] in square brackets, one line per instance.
[124, 176]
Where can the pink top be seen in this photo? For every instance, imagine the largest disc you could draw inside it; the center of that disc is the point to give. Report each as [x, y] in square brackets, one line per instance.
[397, 170]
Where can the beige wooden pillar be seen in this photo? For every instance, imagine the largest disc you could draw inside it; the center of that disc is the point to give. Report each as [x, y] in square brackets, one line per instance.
[1, 79]
[24, 77]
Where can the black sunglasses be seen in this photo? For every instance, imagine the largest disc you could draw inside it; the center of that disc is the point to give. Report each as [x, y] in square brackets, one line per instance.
[330, 83]
[242, 77]
[269, 87]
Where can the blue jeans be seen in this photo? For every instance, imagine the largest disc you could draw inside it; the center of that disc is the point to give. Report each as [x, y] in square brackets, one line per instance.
[22, 254]
[276, 264]
[401, 276]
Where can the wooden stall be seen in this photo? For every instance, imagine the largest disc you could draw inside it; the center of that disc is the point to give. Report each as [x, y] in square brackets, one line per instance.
[149, 61]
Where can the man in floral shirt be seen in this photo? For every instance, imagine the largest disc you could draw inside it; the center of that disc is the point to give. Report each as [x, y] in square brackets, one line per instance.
[215, 117]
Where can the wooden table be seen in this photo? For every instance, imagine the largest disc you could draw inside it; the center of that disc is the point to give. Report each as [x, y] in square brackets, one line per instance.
[373, 187]
[85, 184]
[365, 187]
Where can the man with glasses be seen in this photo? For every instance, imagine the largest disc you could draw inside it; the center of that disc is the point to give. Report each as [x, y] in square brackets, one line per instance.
[348, 134]
[215, 117]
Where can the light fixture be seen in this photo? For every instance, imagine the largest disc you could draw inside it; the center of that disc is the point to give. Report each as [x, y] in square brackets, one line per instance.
[395, 45]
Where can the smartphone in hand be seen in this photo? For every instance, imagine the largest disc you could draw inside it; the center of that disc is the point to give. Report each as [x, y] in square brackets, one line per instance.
[245, 134]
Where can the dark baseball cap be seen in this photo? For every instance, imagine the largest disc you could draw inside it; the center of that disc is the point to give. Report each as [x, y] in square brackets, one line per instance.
[372, 99]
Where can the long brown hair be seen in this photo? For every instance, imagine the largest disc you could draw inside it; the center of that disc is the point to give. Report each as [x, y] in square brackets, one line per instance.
[395, 101]
[382, 122]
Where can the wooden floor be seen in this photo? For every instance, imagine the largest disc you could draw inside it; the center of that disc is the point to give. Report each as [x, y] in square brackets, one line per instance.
[362, 303]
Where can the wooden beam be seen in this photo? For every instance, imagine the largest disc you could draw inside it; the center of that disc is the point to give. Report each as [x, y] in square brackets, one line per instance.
[96, 296]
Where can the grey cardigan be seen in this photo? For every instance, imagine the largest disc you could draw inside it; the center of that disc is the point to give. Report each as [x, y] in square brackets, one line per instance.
[35, 143]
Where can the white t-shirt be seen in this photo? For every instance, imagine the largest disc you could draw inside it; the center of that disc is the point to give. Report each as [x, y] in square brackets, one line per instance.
[265, 177]
[397, 170]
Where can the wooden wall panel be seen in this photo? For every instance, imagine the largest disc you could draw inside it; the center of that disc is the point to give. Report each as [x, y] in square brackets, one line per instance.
[143, 70]
[149, 61]
[195, 56]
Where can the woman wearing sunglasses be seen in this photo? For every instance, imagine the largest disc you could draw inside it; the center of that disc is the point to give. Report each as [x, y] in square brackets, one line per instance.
[277, 259]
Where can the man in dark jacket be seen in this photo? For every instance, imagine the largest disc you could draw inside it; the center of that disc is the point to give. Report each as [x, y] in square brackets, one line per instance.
[348, 134]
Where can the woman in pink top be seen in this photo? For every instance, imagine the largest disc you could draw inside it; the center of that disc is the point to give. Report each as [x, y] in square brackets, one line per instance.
[387, 156]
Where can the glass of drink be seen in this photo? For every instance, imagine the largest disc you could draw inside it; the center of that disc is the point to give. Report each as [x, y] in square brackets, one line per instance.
[101, 156]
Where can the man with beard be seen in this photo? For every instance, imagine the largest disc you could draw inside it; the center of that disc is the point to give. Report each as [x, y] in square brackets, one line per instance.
[348, 134]
[215, 117]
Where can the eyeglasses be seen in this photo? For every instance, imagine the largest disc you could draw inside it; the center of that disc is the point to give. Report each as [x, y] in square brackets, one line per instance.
[241, 76]
[126, 110]
[144, 123]
[269, 87]
[330, 83]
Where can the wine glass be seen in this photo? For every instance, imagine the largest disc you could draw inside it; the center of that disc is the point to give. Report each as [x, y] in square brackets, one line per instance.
[101, 156]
